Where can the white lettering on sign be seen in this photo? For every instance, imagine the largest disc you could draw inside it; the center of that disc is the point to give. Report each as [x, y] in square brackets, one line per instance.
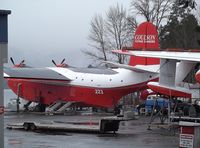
[145, 38]
[186, 140]
[99, 91]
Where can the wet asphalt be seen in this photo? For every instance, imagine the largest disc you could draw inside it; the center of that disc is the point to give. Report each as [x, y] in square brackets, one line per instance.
[131, 134]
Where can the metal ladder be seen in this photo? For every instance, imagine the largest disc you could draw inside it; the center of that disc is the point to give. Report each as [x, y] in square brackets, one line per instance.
[66, 105]
[53, 107]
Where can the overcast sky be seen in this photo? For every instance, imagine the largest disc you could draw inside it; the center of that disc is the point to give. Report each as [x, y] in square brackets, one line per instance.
[42, 30]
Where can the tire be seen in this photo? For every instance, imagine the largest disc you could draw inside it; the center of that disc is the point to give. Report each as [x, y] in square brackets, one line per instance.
[32, 127]
[26, 126]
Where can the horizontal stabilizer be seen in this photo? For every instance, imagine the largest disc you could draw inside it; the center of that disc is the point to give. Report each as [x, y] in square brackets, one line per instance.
[169, 91]
[183, 56]
[137, 68]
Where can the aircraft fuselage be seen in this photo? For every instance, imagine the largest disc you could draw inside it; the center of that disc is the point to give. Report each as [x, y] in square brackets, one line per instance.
[95, 87]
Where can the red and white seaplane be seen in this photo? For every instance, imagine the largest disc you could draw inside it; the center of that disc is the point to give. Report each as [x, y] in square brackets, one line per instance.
[90, 86]
[105, 87]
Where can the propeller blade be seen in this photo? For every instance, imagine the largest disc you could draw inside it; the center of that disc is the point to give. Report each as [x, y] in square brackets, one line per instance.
[12, 60]
[54, 63]
[22, 62]
[63, 61]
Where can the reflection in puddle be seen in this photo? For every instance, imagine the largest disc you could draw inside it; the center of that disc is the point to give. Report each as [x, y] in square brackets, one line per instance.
[14, 141]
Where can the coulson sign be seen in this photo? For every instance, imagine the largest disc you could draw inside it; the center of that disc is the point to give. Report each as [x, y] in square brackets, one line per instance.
[145, 38]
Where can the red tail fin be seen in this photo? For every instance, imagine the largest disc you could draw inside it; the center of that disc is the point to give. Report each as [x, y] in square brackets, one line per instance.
[146, 38]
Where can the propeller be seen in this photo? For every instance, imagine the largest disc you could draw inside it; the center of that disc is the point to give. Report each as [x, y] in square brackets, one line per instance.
[62, 64]
[21, 64]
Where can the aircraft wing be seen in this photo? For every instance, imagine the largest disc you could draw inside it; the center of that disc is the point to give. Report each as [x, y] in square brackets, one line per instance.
[169, 72]
[183, 56]
[137, 68]
[37, 75]
[170, 91]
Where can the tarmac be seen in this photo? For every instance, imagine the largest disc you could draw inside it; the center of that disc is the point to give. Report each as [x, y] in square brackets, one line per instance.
[131, 134]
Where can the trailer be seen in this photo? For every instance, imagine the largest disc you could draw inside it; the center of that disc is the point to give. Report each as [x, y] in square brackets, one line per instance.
[105, 125]
[185, 118]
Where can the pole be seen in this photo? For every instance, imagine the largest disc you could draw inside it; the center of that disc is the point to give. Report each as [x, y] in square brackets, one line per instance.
[3, 59]
[169, 107]
[18, 94]
[1, 103]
